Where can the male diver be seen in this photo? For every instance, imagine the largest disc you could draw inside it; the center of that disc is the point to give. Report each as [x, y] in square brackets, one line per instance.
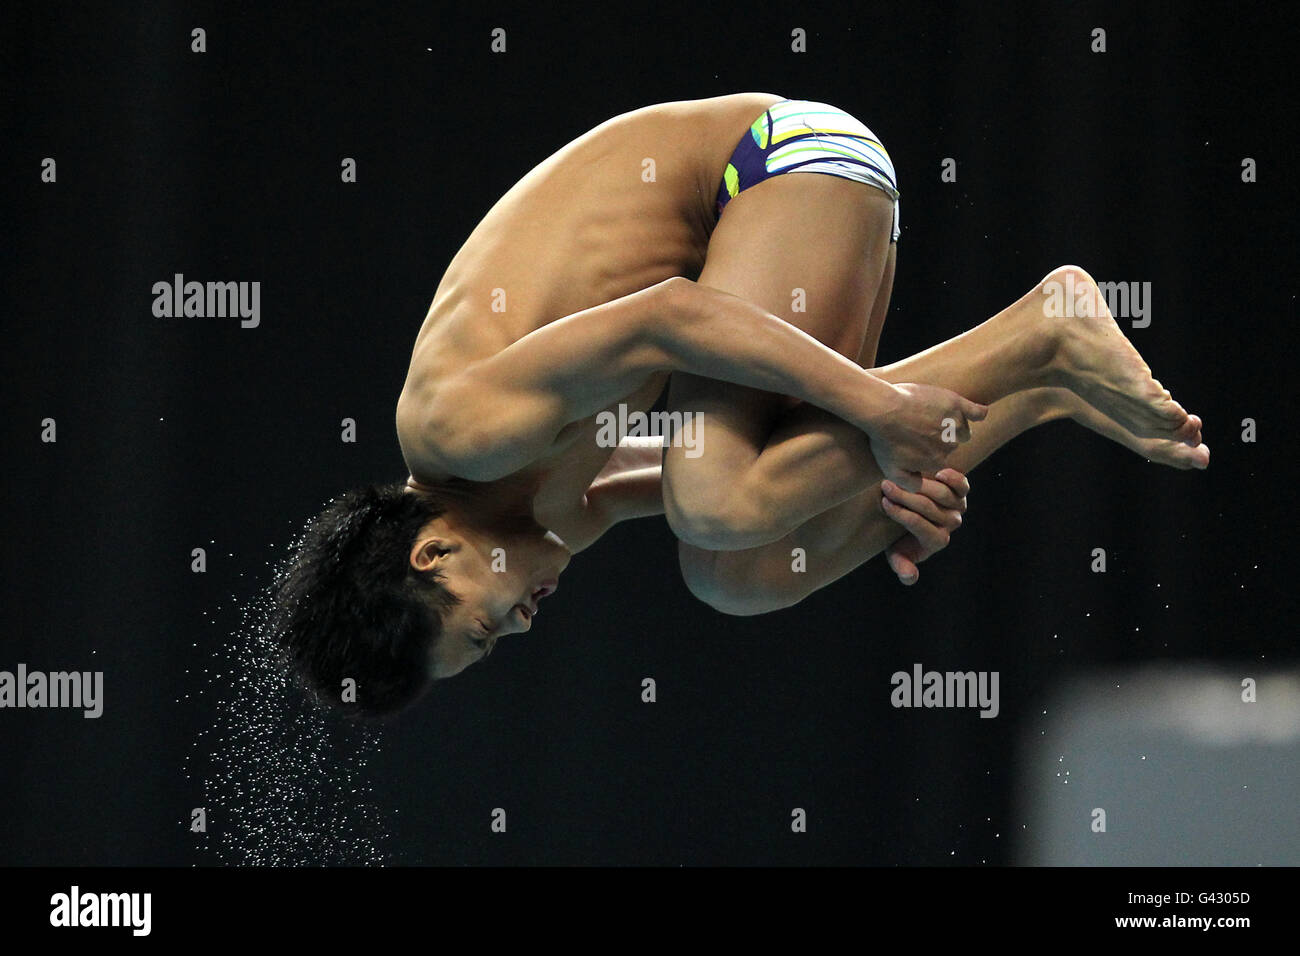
[675, 248]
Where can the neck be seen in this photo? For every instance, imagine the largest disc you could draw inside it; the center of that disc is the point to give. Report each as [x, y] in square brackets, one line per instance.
[510, 496]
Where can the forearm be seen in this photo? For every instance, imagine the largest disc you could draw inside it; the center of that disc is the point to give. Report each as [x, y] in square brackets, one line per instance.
[629, 494]
[629, 486]
[502, 412]
[720, 336]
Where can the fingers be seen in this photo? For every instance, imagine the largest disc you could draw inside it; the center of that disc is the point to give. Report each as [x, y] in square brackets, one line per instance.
[907, 480]
[969, 412]
[902, 565]
[931, 536]
[935, 503]
[965, 413]
[930, 516]
[945, 492]
[956, 482]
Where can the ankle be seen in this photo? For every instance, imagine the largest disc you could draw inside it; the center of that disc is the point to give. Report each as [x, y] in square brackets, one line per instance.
[1055, 403]
[1040, 346]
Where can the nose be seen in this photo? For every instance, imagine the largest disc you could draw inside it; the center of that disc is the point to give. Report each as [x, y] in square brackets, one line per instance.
[520, 620]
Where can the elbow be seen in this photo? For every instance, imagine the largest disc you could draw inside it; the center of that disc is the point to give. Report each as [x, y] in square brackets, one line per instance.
[677, 310]
[677, 291]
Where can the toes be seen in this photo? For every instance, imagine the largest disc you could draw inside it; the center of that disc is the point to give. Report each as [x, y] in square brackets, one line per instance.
[1161, 406]
[1197, 458]
[1172, 410]
[1181, 456]
[1189, 432]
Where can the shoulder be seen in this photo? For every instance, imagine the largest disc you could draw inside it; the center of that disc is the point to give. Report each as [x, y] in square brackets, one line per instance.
[442, 433]
[416, 437]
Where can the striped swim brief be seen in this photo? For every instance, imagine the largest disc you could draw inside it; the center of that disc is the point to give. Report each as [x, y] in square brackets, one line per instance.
[799, 136]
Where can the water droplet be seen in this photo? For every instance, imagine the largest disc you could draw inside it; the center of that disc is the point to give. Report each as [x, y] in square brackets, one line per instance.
[287, 773]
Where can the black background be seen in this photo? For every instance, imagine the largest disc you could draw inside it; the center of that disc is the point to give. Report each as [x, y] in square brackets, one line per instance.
[174, 433]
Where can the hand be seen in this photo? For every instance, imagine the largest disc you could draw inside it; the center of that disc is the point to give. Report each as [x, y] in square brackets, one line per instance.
[917, 436]
[929, 516]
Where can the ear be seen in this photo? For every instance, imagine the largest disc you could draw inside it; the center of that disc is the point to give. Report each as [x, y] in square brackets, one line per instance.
[427, 553]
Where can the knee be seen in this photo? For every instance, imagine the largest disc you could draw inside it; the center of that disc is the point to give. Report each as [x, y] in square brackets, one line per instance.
[717, 517]
[708, 529]
[731, 584]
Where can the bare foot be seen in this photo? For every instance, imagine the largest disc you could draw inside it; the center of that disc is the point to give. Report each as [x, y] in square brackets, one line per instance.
[1099, 364]
[1062, 403]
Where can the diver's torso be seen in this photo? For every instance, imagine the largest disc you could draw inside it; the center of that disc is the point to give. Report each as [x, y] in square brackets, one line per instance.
[624, 206]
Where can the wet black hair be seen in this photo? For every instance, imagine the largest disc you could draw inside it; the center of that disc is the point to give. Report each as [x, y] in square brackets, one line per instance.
[349, 604]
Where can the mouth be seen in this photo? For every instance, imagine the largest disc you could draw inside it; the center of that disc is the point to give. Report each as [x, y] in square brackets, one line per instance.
[529, 608]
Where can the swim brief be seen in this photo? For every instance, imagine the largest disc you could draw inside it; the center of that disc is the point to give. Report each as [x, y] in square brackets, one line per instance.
[799, 136]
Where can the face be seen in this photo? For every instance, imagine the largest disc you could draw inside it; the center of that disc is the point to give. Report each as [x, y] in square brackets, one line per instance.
[500, 573]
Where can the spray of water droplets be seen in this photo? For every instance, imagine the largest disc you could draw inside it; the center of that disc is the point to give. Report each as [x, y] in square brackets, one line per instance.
[285, 781]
